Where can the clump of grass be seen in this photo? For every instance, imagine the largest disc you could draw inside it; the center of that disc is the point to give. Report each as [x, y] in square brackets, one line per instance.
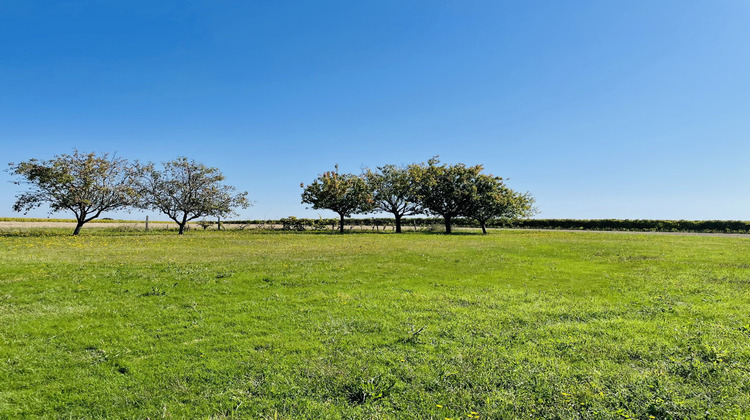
[155, 291]
[368, 389]
[413, 336]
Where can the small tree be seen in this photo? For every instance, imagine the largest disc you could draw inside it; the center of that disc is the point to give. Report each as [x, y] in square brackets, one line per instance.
[394, 191]
[493, 199]
[185, 190]
[345, 194]
[445, 190]
[86, 184]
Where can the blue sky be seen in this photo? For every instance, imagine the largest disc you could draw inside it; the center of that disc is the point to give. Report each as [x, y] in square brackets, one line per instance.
[600, 109]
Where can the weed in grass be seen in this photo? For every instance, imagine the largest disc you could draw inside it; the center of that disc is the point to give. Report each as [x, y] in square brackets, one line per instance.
[155, 291]
[367, 389]
[414, 334]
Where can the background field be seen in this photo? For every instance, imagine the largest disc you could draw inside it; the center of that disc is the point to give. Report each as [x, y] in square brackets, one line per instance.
[366, 325]
[737, 227]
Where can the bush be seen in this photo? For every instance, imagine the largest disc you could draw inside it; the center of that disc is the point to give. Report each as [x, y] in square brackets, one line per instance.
[422, 223]
[706, 226]
[293, 223]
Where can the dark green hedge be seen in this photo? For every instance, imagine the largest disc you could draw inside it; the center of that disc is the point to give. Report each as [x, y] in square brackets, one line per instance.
[712, 226]
[715, 226]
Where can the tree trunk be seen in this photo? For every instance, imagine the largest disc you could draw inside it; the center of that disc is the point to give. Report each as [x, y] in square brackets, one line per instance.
[484, 229]
[182, 225]
[398, 222]
[341, 224]
[79, 224]
[447, 224]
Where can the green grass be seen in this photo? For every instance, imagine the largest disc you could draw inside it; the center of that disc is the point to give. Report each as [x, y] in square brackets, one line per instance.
[249, 324]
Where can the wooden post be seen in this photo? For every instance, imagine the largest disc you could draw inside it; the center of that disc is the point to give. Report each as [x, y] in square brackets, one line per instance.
[146, 223]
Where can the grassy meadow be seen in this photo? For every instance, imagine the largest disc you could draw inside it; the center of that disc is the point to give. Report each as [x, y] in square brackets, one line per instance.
[238, 324]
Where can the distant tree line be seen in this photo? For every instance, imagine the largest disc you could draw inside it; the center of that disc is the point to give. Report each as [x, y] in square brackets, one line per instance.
[432, 188]
[88, 184]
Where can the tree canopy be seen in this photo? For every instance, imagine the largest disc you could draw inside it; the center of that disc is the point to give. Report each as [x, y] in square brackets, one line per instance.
[394, 191]
[445, 190]
[344, 194]
[185, 190]
[85, 184]
[492, 199]
[433, 188]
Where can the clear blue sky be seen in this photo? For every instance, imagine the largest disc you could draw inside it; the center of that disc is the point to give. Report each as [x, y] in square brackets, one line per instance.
[601, 109]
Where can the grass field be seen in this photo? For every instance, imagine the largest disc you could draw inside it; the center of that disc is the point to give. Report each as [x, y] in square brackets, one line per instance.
[261, 325]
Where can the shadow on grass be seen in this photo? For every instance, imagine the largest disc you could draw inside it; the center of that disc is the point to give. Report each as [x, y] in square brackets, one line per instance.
[128, 231]
[368, 232]
[57, 232]
[34, 232]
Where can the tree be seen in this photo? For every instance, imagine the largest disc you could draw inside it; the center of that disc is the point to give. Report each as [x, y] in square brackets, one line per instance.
[493, 199]
[445, 190]
[394, 191]
[86, 184]
[345, 194]
[185, 190]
